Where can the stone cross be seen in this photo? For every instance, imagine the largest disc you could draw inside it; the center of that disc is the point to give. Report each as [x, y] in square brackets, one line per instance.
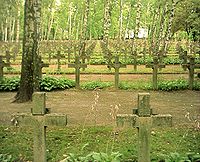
[144, 118]
[39, 120]
[117, 65]
[77, 67]
[134, 55]
[155, 66]
[8, 57]
[59, 57]
[191, 67]
[41, 65]
[183, 56]
[2, 65]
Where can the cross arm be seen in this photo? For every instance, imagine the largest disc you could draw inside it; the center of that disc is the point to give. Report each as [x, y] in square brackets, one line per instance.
[23, 119]
[55, 120]
[132, 120]
[162, 120]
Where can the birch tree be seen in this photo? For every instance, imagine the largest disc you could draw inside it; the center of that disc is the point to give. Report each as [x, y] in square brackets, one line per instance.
[30, 57]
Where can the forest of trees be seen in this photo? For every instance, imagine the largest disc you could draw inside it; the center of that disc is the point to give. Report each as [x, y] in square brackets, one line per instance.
[69, 19]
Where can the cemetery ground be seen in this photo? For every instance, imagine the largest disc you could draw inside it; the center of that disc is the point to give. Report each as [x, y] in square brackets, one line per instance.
[92, 126]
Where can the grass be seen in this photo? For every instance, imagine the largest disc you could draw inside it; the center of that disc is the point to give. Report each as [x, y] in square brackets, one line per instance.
[62, 141]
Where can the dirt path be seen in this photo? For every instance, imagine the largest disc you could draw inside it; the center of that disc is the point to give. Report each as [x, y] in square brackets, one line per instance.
[78, 105]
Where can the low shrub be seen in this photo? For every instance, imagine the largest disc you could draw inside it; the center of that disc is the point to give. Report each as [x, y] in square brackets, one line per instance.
[5, 158]
[176, 157]
[135, 85]
[9, 84]
[95, 85]
[50, 83]
[94, 156]
[173, 85]
[46, 84]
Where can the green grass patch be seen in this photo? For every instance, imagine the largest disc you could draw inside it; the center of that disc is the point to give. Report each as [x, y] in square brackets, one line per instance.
[100, 143]
[96, 85]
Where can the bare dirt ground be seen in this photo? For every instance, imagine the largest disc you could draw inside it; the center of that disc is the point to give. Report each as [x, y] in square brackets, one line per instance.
[81, 108]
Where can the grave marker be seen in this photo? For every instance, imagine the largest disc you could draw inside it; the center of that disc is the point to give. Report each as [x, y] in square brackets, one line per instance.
[39, 120]
[191, 66]
[183, 56]
[59, 57]
[143, 118]
[155, 66]
[41, 65]
[77, 65]
[117, 65]
[2, 65]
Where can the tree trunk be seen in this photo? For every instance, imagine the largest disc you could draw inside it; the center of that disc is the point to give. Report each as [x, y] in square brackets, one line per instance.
[30, 67]
[168, 33]
[18, 21]
[6, 31]
[120, 19]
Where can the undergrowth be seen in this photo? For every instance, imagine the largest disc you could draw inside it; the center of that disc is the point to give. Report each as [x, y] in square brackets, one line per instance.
[52, 83]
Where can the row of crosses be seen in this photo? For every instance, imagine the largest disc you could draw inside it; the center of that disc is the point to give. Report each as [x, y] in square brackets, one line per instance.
[191, 66]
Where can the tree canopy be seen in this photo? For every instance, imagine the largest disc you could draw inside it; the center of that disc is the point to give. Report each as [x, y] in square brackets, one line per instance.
[63, 19]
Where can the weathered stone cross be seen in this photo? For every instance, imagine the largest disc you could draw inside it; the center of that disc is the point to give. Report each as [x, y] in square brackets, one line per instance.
[143, 118]
[8, 56]
[2, 65]
[41, 65]
[77, 67]
[39, 120]
[59, 57]
[155, 66]
[191, 66]
[117, 65]
[183, 56]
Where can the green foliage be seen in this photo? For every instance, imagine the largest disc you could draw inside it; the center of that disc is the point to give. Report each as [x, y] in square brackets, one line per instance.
[50, 83]
[176, 157]
[196, 86]
[173, 85]
[94, 156]
[172, 60]
[5, 158]
[97, 140]
[9, 84]
[135, 85]
[46, 84]
[95, 85]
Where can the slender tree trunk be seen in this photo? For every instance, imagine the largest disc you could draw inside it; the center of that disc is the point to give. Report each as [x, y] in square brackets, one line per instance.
[13, 30]
[70, 21]
[6, 31]
[161, 27]
[2, 31]
[84, 31]
[18, 21]
[168, 33]
[120, 19]
[154, 30]
[30, 57]
[50, 25]
[106, 28]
